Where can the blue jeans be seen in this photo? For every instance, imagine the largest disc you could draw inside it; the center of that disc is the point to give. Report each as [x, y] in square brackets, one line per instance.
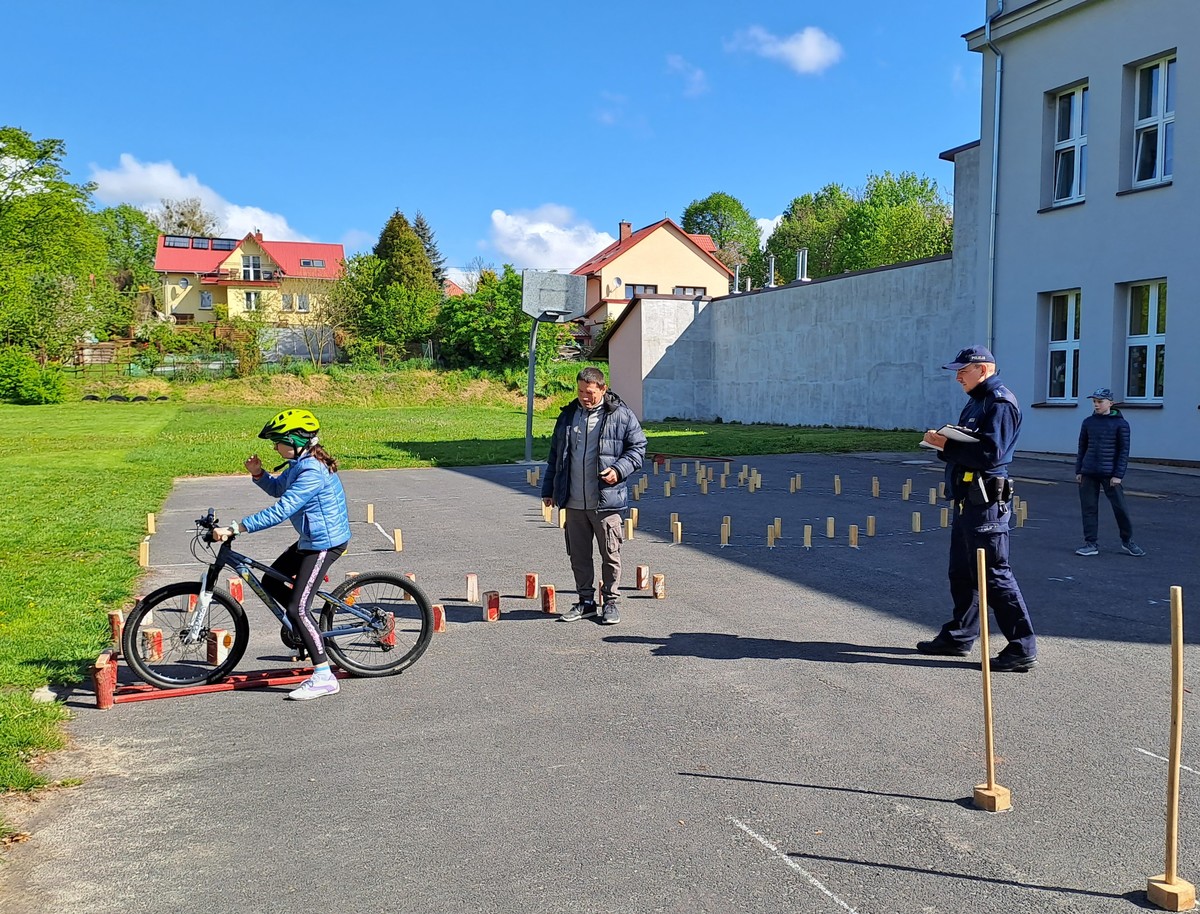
[1089, 502]
[985, 527]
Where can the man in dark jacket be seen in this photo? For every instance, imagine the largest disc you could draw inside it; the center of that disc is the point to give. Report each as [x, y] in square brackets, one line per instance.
[977, 478]
[1100, 462]
[597, 445]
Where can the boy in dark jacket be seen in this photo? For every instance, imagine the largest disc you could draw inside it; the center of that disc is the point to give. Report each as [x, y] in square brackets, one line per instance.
[1100, 462]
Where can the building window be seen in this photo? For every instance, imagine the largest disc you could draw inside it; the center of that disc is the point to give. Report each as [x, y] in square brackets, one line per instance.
[1070, 145]
[1146, 344]
[224, 244]
[175, 241]
[251, 267]
[632, 290]
[319, 264]
[302, 302]
[200, 244]
[205, 301]
[689, 290]
[1064, 346]
[286, 305]
[253, 300]
[1154, 123]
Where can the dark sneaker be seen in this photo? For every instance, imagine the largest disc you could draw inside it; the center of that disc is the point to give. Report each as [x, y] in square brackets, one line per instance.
[1132, 548]
[578, 611]
[942, 648]
[1012, 663]
[611, 615]
[1088, 549]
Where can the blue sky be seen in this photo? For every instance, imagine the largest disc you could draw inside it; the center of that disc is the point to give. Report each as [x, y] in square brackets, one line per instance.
[524, 132]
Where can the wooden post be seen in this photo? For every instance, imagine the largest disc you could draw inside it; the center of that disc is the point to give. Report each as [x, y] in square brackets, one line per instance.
[727, 520]
[439, 618]
[792, 486]
[1167, 890]
[771, 536]
[152, 644]
[870, 525]
[723, 478]
[235, 588]
[150, 527]
[667, 464]
[144, 552]
[671, 479]
[491, 606]
[531, 585]
[116, 627]
[472, 588]
[659, 586]
[933, 496]
[398, 539]
[562, 517]
[808, 536]
[941, 490]
[677, 532]
[217, 646]
[637, 493]
[642, 578]
[829, 527]
[703, 485]
[412, 577]
[628, 528]
[104, 678]
[778, 527]
[837, 485]
[727, 469]
[904, 492]
[990, 796]
[916, 522]
[799, 482]
[874, 486]
[549, 602]
[370, 513]
[724, 534]
[655, 464]
[945, 517]
[633, 516]
[674, 518]
[666, 490]
[854, 536]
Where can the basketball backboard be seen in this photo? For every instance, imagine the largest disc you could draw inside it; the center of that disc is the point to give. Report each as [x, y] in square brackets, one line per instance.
[553, 297]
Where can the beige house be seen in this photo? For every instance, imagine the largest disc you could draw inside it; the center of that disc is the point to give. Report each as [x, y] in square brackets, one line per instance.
[282, 280]
[660, 260]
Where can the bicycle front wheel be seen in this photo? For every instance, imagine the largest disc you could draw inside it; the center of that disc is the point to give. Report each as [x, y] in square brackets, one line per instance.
[393, 631]
[164, 644]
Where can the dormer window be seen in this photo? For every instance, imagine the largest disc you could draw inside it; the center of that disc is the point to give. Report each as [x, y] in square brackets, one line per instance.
[318, 264]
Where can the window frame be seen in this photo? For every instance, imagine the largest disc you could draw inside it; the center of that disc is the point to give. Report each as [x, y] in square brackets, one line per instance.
[693, 291]
[637, 289]
[252, 268]
[286, 302]
[1068, 345]
[1159, 122]
[252, 300]
[1074, 143]
[303, 306]
[1153, 341]
[206, 296]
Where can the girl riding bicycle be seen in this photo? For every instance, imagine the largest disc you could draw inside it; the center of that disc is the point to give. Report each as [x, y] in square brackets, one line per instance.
[311, 496]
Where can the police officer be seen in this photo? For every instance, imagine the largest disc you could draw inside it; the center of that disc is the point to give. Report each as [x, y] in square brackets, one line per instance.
[977, 478]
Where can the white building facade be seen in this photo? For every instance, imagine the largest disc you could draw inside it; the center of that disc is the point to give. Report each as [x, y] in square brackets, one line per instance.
[1087, 263]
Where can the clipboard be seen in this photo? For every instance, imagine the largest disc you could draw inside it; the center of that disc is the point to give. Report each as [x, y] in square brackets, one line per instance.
[952, 433]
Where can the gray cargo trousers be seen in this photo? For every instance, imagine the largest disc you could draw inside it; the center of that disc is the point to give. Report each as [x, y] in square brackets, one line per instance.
[581, 528]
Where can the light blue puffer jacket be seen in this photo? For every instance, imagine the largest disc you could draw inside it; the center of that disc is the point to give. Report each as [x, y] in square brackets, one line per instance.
[311, 497]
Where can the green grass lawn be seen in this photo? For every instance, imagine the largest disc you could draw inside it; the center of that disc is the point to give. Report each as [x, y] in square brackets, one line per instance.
[82, 477]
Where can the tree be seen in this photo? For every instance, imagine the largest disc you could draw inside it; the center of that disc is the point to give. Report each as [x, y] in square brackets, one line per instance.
[813, 221]
[488, 329]
[403, 254]
[132, 240]
[474, 270]
[378, 311]
[184, 217]
[897, 218]
[729, 224]
[436, 260]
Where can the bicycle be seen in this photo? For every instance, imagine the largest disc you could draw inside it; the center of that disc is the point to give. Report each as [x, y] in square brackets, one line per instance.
[193, 632]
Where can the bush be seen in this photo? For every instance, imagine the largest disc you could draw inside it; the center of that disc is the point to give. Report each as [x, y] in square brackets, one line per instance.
[23, 380]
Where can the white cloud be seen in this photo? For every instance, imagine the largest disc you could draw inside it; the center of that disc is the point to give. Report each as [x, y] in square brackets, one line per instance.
[694, 81]
[765, 227]
[356, 241]
[144, 184]
[808, 51]
[547, 238]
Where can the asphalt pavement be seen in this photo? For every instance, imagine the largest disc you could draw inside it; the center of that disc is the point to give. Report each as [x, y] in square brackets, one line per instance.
[765, 738]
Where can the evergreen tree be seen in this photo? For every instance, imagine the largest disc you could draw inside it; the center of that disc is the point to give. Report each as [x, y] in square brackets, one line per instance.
[436, 260]
[405, 262]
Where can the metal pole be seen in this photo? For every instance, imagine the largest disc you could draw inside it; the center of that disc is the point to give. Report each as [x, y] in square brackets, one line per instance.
[529, 393]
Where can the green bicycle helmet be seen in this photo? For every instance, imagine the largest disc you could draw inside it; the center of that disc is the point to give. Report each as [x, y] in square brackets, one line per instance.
[296, 427]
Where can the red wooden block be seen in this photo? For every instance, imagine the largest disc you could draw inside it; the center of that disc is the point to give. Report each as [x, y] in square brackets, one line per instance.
[104, 679]
[531, 585]
[236, 590]
[491, 606]
[439, 618]
[548, 599]
[643, 577]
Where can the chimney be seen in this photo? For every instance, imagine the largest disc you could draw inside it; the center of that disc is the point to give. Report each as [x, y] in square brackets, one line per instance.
[257, 235]
[626, 229]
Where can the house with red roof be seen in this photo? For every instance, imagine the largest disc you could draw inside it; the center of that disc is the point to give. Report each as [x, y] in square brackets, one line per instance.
[283, 280]
[660, 259]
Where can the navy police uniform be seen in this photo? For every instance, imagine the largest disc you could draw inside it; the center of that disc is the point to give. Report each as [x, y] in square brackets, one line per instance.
[977, 478]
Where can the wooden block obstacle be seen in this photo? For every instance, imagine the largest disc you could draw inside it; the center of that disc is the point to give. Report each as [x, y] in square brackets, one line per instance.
[916, 522]
[144, 553]
[666, 490]
[412, 577]
[633, 516]
[150, 525]
[854, 536]
[870, 525]
[874, 486]
[658, 586]
[439, 618]
[491, 606]
[808, 536]
[628, 528]
[829, 528]
[116, 628]
[531, 585]
[370, 513]
[724, 534]
[778, 527]
[642, 577]
[933, 496]
[837, 485]
[549, 604]
[152, 644]
[945, 517]
[217, 646]
[770, 536]
[104, 678]
[472, 588]
[236, 590]
[397, 540]
[562, 517]
[677, 532]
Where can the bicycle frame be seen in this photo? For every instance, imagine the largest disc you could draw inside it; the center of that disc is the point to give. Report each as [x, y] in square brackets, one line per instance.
[227, 557]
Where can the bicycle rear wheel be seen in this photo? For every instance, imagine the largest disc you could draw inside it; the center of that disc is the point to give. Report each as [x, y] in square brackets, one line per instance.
[158, 642]
[399, 629]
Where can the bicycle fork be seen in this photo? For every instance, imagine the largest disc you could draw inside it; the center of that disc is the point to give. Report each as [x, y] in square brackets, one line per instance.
[203, 601]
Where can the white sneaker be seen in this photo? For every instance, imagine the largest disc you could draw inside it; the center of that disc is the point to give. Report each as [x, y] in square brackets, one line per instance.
[315, 686]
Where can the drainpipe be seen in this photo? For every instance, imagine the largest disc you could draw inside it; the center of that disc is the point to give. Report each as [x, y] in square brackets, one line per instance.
[991, 282]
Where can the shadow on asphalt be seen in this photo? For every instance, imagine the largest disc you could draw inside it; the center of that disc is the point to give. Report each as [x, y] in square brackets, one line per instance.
[720, 646]
[1135, 898]
[873, 793]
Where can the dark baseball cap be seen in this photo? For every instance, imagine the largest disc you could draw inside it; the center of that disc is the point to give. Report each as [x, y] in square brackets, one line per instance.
[1101, 393]
[972, 355]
